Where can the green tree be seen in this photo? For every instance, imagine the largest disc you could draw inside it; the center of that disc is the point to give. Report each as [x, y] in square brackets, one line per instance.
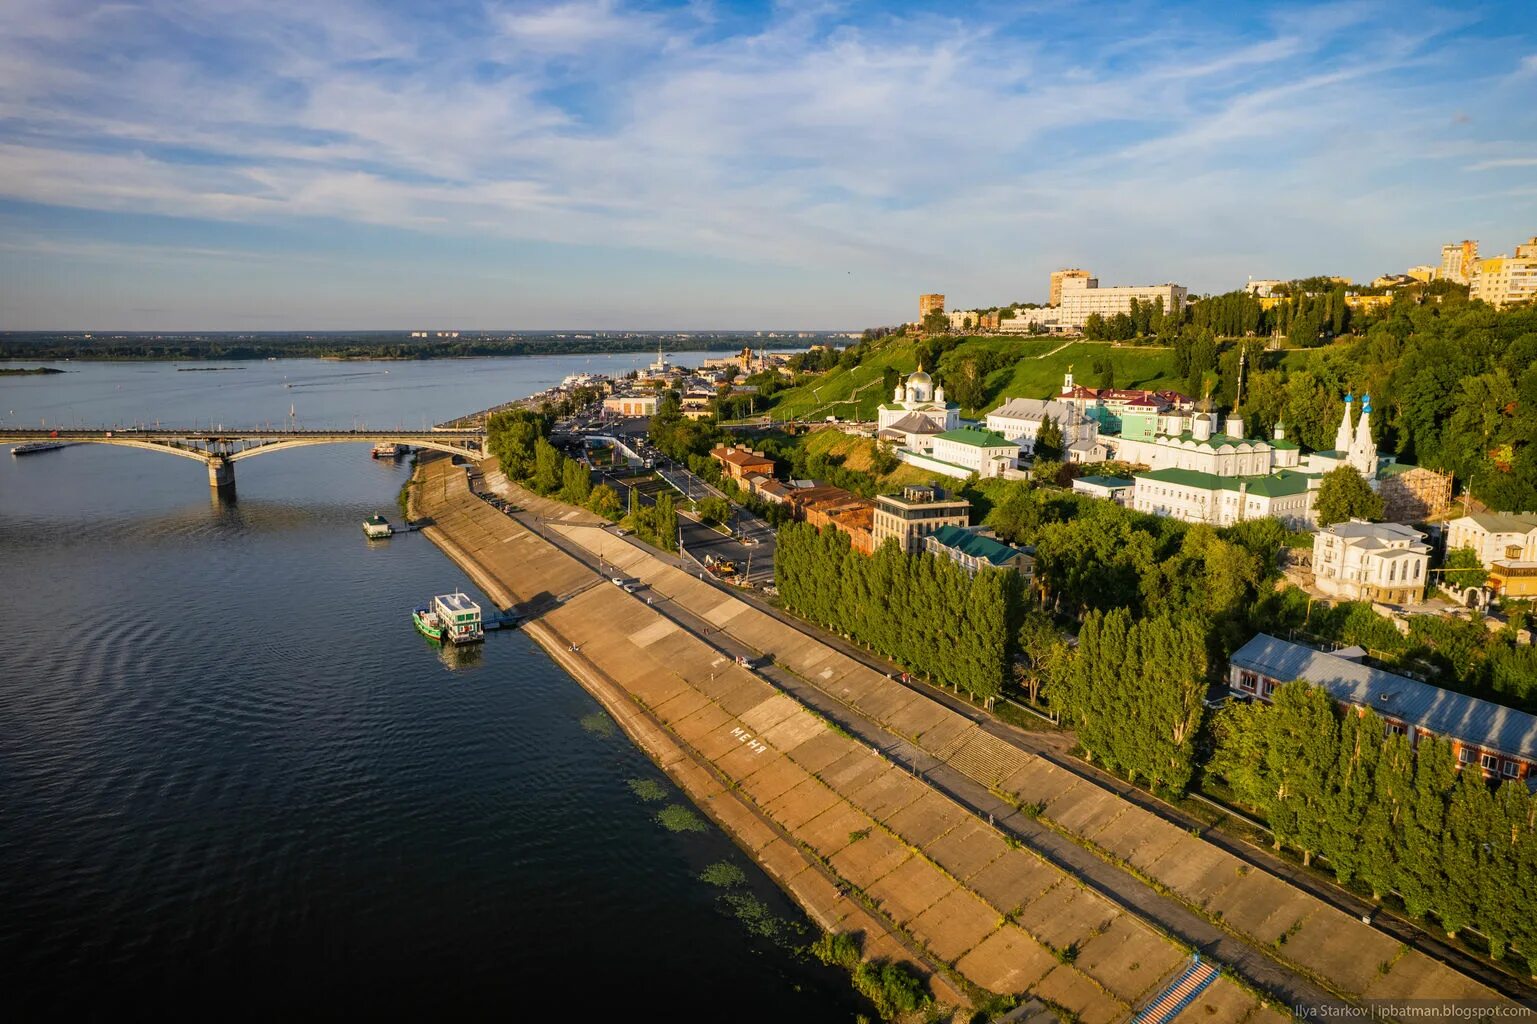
[548, 467]
[575, 482]
[1464, 569]
[664, 520]
[714, 510]
[1345, 494]
[604, 501]
[1049, 442]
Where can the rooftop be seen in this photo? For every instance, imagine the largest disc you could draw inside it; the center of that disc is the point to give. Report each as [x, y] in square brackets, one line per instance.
[1398, 697]
[457, 602]
[974, 545]
[976, 438]
[1504, 522]
[1281, 483]
[1106, 481]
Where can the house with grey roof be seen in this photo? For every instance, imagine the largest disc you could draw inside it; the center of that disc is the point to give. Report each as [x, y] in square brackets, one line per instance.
[1381, 562]
[1020, 420]
[1495, 536]
[1500, 741]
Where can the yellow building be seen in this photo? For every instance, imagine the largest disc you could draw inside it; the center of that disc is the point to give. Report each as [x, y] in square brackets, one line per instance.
[1457, 261]
[1057, 277]
[1368, 303]
[931, 303]
[1505, 280]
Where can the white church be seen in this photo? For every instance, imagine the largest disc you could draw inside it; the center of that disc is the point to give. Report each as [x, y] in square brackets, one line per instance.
[917, 410]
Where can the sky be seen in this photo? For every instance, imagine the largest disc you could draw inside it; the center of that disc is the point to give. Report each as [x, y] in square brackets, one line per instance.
[342, 164]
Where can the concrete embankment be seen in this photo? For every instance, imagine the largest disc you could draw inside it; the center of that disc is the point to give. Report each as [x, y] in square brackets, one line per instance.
[821, 810]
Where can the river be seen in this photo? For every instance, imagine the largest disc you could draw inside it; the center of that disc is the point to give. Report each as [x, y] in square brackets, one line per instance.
[232, 776]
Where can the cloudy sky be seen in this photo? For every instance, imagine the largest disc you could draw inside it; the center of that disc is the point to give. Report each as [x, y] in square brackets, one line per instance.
[333, 164]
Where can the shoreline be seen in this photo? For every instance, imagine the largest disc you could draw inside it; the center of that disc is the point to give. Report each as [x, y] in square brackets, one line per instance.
[796, 871]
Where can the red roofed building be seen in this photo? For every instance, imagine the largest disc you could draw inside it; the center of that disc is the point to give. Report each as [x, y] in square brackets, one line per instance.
[741, 463]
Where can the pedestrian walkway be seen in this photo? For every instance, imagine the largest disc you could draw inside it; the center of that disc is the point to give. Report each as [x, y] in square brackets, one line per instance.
[1179, 994]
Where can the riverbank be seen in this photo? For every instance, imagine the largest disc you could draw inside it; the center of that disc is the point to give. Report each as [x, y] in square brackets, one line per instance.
[983, 910]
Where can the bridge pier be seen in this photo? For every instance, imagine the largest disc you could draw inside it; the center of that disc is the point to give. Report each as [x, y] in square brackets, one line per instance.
[221, 473]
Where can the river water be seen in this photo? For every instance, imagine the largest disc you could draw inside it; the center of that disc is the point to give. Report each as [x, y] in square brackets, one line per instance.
[232, 775]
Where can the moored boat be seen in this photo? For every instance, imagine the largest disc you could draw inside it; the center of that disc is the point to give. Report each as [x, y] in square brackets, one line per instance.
[33, 447]
[376, 527]
[449, 618]
[389, 450]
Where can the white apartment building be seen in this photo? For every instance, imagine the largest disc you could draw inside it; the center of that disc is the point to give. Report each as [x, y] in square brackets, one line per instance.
[1215, 500]
[1083, 297]
[1506, 280]
[962, 452]
[1020, 420]
[1495, 536]
[1457, 261]
[1381, 562]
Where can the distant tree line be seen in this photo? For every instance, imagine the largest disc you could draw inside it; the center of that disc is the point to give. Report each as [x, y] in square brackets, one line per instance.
[365, 345]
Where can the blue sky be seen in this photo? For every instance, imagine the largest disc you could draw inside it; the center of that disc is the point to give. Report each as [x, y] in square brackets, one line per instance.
[333, 164]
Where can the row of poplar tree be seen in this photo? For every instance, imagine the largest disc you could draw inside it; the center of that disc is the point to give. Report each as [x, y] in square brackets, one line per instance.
[926, 612]
[1339, 784]
[1134, 689]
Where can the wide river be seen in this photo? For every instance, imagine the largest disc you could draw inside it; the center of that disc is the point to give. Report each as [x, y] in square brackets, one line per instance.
[232, 775]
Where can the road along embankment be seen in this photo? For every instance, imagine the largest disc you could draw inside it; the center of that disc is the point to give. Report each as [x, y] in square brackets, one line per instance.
[922, 863]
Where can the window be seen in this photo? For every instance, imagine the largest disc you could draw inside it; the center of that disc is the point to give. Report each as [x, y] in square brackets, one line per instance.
[1248, 682]
[1266, 688]
[1511, 768]
[1490, 762]
[1465, 755]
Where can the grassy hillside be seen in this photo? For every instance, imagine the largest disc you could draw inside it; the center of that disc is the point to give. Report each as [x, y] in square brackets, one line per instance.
[1036, 372]
[857, 454]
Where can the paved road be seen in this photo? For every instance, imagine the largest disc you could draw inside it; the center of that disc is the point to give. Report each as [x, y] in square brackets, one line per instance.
[1120, 888]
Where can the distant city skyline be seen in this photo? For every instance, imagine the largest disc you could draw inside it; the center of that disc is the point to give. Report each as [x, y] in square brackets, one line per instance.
[599, 165]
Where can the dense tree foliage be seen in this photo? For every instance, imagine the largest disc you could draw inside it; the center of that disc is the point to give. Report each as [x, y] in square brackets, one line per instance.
[1344, 494]
[924, 611]
[1340, 785]
[1134, 689]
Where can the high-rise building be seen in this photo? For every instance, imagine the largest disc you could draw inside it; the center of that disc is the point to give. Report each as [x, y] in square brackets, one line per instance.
[1458, 260]
[934, 302]
[1505, 280]
[1082, 297]
[1058, 276]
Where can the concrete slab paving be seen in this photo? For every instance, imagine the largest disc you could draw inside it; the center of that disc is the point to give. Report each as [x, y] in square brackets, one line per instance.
[1129, 958]
[1071, 988]
[1008, 962]
[967, 849]
[956, 924]
[1015, 880]
[911, 888]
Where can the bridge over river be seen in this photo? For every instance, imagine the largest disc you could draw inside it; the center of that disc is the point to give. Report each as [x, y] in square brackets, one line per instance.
[221, 448]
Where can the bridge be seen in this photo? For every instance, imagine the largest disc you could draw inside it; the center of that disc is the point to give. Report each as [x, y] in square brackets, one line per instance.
[220, 449]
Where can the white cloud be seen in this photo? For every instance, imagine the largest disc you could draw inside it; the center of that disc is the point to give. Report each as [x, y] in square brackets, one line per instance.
[905, 146]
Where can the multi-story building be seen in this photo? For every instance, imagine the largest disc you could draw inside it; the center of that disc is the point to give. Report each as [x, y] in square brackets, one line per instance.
[698, 404]
[1261, 288]
[1107, 405]
[1423, 273]
[1380, 562]
[1083, 297]
[960, 453]
[972, 550]
[1495, 536]
[1457, 261]
[1506, 280]
[1500, 741]
[1118, 489]
[1020, 420]
[914, 514]
[1058, 276]
[1198, 497]
[823, 505]
[934, 302]
[973, 320]
[631, 405]
[741, 463]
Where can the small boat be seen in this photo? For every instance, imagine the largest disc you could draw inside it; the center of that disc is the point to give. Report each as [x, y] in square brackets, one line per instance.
[449, 618]
[33, 447]
[389, 450]
[376, 527]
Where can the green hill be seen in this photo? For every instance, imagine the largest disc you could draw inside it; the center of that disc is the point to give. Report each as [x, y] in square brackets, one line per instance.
[1035, 367]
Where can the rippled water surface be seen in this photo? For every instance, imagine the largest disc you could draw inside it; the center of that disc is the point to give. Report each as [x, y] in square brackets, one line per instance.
[232, 775]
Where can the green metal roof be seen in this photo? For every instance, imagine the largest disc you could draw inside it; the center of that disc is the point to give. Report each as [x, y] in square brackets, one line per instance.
[1285, 446]
[1218, 440]
[1107, 481]
[977, 438]
[975, 545]
[1277, 485]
